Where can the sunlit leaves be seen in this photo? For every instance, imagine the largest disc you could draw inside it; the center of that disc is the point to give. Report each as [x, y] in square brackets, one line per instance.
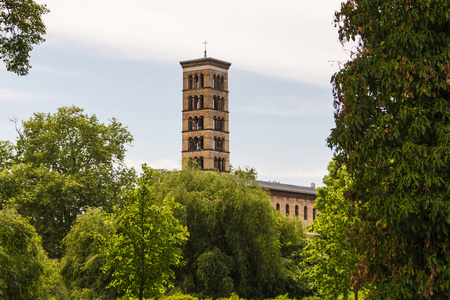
[21, 27]
[392, 133]
[63, 163]
[146, 244]
[23, 264]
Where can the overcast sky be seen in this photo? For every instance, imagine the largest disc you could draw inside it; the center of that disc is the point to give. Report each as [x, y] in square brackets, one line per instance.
[121, 59]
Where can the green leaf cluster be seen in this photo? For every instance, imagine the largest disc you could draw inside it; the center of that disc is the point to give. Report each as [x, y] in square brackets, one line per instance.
[393, 133]
[61, 164]
[83, 260]
[332, 259]
[235, 236]
[21, 27]
[25, 271]
[146, 243]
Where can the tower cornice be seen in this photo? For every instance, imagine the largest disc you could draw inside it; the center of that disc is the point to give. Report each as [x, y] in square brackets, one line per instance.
[204, 63]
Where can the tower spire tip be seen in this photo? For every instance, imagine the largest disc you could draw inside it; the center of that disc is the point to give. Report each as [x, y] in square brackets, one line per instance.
[205, 42]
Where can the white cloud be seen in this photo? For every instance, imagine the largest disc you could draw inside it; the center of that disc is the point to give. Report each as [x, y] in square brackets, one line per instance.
[12, 95]
[289, 38]
[167, 164]
[57, 71]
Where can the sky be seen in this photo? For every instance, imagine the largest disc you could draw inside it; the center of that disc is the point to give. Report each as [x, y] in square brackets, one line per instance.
[120, 60]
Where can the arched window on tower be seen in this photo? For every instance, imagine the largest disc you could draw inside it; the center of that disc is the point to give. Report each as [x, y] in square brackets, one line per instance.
[305, 213]
[196, 81]
[190, 82]
[201, 81]
[215, 103]
[200, 162]
[219, 163]
[200, 102]
[214, 81]
[278, 206]
[195, 102]
[222, 104]
[190, 124]
[222, 83]
[222, 164]
[191, 144]
[195, 123]
[200, 122]
[190, 103]
[200, 143]
[296, 210]
[287, 209]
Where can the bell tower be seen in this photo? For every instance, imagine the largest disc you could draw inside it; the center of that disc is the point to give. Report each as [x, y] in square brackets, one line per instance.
[205, 113]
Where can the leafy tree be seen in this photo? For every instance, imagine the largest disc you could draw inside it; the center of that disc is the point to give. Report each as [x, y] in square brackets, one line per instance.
[234, 243]
[146, 244]
[65, 162]
[331, 255]
[247, 173]
[293, 242]
[392, 132]
[23, 263]
[48, 197]
[6, 154]
[81, 265]
[21, 27]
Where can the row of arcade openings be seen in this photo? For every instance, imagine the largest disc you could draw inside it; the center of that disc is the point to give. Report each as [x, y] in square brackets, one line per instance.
[219, 163]
[196, 103]
[196, 143]
[296, 211]
[197, 81]
[196, 123]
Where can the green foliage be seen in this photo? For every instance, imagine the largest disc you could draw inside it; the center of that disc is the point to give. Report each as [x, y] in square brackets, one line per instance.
[246, 173]
[21, 27]
[146, 244]
[81, 265]
[65, 162]
[47, 196]
[6, 154]
[179, 296]
[233, 296]
[331, 257]
[234, 243]
[293, 242]
[24, 268]
[392, 132]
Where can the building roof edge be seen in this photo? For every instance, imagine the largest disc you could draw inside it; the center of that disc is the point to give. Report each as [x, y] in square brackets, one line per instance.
[286, 187]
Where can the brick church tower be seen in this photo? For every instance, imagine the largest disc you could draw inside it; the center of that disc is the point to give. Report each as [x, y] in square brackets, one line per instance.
[205, 113]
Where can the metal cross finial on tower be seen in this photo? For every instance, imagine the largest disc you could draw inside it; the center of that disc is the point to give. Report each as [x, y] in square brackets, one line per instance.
[205, 42]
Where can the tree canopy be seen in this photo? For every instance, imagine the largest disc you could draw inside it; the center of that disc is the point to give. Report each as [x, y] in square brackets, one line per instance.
[236, 237]
[21, 27]
[23, 264]
[331, 255]
[64, 163]
[83, 260]
[147, 240]
[392, 133]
